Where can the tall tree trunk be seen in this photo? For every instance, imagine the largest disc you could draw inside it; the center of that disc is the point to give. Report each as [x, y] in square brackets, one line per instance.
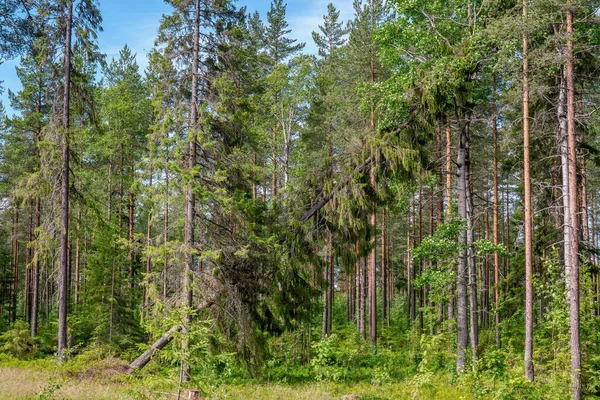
[130, 221]
[148, 245]
[528, 213]
[373, 223]
[165, 275]
[408, 263]
[358, 288]
[440, 212]
[63, 280]
[326, 293]
[35, 273]
[461, 276]
[254, 183]
[190, 197]
[384, 272]
[274, 164]
[495, 223]
[473, 307]
[449, 172]
[418, 243]
[363, 302]
[28, 258]
[574, 251]
[372, 275]
[77, 256]
[412, 266]
[15, 262]
[331, 285]
[564, 161]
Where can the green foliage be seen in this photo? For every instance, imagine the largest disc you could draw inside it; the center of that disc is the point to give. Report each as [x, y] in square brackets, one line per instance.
[324, 357]
[18, 341]
[49, 391]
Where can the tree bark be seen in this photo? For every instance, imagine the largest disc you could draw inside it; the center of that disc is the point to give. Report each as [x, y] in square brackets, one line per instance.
[473, 307]
[449, 172]
[166, 225]
[363, 302]
[384, 272]
[461, 276]
[495, 223]
[528, 213]
[63, 280]
[15, 262]
[574, 251]
[190, 202]
[372, 272]
[148, 245]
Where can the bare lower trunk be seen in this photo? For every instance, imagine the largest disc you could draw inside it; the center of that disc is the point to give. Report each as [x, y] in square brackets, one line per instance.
[35, 273]
[274, 167]
[495, 227]
[130, 238]
[384, 272]
[15, 262]
[372, 274]
[473, 308]
[148, 258]
[77, 256]
[461, 276]
[326, 294]
[363, 302]
[449, 171]
[165, 271]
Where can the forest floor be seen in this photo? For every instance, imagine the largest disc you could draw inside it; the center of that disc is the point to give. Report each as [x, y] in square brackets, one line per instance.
[33, 382]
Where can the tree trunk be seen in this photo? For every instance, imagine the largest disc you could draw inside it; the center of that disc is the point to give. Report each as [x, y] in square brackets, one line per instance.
[35, 273]
[418, 243]
[495, 223]
[528, 214]
[363, 302]
[461, 276]
[574, 251]
[326, 293]
[449, 172]
[473, 308]
[148, 245]
[28, 258]
[254, 183]
[130, 238]
[190, 198]
[63, 280]
[165, 275]
[384, 272]
[15, 262]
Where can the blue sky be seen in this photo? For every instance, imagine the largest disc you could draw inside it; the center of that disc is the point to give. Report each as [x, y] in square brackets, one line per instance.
[135, 22]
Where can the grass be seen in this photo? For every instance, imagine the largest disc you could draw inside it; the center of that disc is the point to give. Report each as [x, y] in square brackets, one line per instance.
[101, 380]
[30, 383]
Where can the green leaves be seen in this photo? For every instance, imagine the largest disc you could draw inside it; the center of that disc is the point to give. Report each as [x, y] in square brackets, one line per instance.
[443, 245]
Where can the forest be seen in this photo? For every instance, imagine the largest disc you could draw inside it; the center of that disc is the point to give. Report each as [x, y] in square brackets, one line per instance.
[410, 212]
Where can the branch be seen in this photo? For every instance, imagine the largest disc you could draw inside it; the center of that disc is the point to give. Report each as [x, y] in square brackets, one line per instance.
[321, 203]
[432, 24]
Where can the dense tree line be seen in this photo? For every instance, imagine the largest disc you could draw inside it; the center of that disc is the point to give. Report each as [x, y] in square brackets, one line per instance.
[431, 171]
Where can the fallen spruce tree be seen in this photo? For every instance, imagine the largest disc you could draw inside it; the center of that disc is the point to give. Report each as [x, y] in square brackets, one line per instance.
[165, 339]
